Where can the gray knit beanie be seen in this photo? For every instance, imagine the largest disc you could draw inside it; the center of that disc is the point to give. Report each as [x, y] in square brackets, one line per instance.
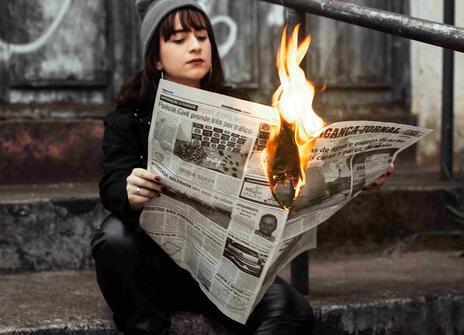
[152, 12]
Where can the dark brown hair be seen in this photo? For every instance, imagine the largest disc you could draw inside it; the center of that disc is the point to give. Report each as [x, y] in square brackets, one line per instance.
[140, 90]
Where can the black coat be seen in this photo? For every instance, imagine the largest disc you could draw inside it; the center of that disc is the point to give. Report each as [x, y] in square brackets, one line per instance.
[125, 147]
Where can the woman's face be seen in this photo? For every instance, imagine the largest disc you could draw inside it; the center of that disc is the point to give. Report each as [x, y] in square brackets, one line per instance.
[185, 57]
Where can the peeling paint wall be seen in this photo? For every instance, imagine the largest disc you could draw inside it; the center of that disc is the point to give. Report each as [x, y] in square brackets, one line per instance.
[82, 51]
[50, 44]
[63, 61]
[426, 75]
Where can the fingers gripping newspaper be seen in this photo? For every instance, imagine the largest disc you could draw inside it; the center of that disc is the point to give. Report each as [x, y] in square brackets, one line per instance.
[217, 217]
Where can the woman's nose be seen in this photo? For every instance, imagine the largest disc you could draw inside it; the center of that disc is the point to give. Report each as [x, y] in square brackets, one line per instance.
[194, 44]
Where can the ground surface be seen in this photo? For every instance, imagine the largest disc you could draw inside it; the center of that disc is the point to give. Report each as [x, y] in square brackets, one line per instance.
[71, 298]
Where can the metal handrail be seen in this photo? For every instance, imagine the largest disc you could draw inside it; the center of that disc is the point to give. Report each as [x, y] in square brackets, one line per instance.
[443, 35]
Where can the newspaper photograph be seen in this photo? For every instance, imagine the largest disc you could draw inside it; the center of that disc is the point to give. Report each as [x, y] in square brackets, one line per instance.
[217, 216]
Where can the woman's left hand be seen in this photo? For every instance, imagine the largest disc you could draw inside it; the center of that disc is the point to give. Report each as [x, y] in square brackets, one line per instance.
[378, 183]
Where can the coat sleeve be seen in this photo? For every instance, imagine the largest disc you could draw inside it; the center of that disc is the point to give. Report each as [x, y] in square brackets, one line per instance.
[119, 159]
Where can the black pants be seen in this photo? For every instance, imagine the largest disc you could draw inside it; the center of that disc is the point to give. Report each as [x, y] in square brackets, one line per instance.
[142, 284]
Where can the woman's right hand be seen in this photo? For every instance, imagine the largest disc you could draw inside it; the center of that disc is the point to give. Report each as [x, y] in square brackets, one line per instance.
[142, 185]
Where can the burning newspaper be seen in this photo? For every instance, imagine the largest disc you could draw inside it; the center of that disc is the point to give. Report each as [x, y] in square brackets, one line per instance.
[219, 218]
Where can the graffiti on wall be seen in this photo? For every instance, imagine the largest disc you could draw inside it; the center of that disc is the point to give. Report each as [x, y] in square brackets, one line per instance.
[7, 49]
[226, 20]
[275, 17]
[10, 48]
[59, 54]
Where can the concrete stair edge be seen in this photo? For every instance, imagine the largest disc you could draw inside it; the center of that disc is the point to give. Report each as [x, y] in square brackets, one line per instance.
[392, 316]
[418, 293]
[52, 228]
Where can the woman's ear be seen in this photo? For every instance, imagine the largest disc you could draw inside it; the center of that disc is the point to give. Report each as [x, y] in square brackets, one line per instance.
[158, 65]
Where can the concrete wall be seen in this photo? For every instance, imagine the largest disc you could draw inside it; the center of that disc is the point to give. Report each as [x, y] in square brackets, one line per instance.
[63, 61]
[426, 75]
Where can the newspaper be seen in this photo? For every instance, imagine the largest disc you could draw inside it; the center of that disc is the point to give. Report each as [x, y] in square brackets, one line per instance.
[217, 217]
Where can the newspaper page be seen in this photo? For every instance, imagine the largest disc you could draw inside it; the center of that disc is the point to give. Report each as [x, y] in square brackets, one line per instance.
[207, 150]
[346, 156]
[217, 217]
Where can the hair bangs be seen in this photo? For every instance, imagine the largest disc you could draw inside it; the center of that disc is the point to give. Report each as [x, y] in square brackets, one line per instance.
[189, 19]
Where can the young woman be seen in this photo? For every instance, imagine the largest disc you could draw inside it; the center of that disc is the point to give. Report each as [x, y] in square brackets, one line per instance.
[139, 281]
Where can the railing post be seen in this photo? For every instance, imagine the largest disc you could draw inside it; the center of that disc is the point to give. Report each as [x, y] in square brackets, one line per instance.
[299, 267]
[447, 113]
[299, 270]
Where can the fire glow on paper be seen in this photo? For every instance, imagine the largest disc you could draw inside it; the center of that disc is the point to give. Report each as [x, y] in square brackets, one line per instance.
[289, 144]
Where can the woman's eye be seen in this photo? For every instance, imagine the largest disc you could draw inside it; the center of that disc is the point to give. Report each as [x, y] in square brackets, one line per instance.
[178, 41]
[202, 38]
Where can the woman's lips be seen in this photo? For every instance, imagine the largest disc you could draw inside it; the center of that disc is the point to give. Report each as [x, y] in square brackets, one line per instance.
[197, 61]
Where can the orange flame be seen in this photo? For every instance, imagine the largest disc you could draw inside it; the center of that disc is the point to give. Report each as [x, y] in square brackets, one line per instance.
[293, 99]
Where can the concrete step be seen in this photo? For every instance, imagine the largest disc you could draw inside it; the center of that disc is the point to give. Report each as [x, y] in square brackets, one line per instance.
[411, 203]
[409, 293]
[46, 227]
